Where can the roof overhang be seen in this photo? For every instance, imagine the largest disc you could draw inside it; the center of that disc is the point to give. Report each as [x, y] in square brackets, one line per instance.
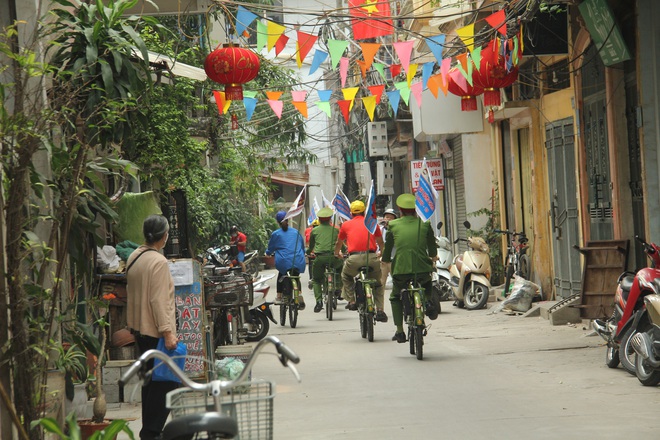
[284, 180]
[176, 68]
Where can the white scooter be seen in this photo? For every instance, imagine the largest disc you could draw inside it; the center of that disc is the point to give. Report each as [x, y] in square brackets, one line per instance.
[470, 273]
[257, 323]
[441, 276]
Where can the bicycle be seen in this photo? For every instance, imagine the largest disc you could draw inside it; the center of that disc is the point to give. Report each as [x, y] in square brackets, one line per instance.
[228, 297]
[366, 306]
[329, 291]
[414, 309]
[517, 261]
[218, 409]
[291, 298]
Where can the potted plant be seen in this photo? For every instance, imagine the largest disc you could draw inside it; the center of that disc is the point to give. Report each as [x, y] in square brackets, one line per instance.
[73, 431]
[72, 360]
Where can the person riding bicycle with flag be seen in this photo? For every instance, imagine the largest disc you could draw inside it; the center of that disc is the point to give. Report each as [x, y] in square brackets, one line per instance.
[415, 252]
[362, 246]
[322, 244]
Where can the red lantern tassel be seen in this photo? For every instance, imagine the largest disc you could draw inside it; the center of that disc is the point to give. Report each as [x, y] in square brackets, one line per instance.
[492, 97]
[234, 92]
[468, 103]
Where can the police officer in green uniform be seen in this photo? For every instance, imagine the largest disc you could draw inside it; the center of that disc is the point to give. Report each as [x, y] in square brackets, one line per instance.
[415, 253]
[322, 241]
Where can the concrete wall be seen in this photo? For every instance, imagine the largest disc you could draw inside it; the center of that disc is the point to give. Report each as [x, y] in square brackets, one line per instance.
[478, 174]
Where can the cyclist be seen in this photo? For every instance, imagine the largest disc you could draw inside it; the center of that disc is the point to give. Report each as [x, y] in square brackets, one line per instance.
[385, 268]
[288, 246]
[361, 246]
[415, 252]
[322, 243]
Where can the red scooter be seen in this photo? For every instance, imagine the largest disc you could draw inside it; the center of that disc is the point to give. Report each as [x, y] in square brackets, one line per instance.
[629, 316]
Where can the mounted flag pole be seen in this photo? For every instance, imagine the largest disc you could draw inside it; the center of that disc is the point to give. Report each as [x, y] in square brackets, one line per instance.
[342, 205]
[426, 197]
[298, 204]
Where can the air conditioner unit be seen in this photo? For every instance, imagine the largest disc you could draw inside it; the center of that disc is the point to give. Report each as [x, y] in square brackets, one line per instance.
[377, 136]
[385, 177]
[363, 176]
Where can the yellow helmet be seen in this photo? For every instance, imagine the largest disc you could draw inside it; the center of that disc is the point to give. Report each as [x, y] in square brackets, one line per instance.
[316, 222]
[357, 207]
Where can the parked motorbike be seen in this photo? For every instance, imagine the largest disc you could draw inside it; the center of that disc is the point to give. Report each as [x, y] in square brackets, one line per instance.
[647, 344]
[225, 256]
[629, 316]
[441, 276]
[470, 273]
[257, 323]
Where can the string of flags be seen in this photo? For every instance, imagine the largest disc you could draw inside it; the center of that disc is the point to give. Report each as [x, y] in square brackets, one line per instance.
[371, 19]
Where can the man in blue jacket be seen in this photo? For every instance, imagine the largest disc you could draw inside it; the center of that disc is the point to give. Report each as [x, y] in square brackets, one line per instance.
[288, 246]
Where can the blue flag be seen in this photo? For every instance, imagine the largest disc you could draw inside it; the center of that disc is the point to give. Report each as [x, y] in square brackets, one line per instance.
[244, 18]
[342, 205]
[370, 218]
[426, 197]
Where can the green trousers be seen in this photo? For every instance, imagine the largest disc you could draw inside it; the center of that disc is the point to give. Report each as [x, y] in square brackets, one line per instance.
[318, 273]
[400, 282]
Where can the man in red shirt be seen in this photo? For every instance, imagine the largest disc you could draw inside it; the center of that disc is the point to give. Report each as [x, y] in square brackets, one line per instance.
[239, 240]
[361, 247]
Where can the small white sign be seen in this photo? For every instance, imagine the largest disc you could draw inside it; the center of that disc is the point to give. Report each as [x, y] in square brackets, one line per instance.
[435, 171]
[182, 272]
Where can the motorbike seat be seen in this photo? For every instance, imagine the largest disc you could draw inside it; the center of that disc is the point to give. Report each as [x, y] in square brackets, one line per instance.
[189, 425]
[626, 285]
[459, 263]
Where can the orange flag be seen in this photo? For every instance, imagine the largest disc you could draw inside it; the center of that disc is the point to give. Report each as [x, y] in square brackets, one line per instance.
[434, 84]
[344, 106]
[274, 96]
[369, 51]
[363, 68]
[302, 107]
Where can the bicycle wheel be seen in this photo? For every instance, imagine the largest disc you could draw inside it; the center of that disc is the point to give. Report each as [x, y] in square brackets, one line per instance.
[411, 339]
[283, 309]
[419, 342]
[363, 324]
[523, 267]
[293, 315]
[508, 274]
[369, 321]
[328, 307]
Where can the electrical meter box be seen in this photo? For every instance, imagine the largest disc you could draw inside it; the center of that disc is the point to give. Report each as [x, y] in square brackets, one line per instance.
[377, 136]
[385, 177]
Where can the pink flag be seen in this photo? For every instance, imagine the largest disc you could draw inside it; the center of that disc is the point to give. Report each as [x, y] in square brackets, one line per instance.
[403, 50]
[277, 107]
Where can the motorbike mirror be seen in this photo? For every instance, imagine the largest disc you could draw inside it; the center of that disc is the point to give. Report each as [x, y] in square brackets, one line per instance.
[439, 225]
[467, 224]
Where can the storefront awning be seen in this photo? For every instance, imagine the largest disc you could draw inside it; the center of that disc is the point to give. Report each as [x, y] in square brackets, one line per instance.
[284, 180]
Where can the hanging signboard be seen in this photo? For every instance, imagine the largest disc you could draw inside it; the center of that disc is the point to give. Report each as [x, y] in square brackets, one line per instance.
[190, 313]
[604, 31]
[435, 171]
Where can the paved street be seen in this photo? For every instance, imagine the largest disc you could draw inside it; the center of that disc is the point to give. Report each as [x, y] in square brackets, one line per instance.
[484, 376]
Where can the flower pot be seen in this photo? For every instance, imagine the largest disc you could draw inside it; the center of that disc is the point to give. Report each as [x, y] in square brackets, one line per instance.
[269, 261]
[88, 428]
[79, 402]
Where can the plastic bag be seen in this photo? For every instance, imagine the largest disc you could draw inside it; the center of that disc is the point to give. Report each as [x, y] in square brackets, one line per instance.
[162, 373]
[522, 293]
[229, 368]
[107, 259]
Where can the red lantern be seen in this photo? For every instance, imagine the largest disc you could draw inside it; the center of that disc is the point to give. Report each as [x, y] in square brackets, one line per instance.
[493, 75]
[468, 97]
[232, 66]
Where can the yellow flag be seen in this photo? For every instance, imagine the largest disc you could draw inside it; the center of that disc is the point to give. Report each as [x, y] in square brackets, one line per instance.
[274, 32]
[349, 95]
[412, 70]
[466, 34]
[369, 103]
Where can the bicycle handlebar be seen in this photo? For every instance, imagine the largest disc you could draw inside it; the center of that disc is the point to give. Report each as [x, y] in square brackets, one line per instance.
[286, 355]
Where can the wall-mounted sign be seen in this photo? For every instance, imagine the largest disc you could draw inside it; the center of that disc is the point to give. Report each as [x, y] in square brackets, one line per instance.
[604, 31]
[435, 171]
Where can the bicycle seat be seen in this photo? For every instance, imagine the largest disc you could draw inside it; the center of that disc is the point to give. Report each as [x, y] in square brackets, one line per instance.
[366, 269]
[185, 427]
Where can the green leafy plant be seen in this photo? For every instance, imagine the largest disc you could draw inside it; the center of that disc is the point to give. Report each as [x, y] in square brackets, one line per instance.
[494, 240]
[71, 430]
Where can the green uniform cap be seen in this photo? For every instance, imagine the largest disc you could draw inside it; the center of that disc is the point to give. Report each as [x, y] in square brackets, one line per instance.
[324, 213]
[406, 201]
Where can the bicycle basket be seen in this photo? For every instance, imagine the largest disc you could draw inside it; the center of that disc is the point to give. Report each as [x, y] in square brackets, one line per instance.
[225, 291]
[251, 405]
